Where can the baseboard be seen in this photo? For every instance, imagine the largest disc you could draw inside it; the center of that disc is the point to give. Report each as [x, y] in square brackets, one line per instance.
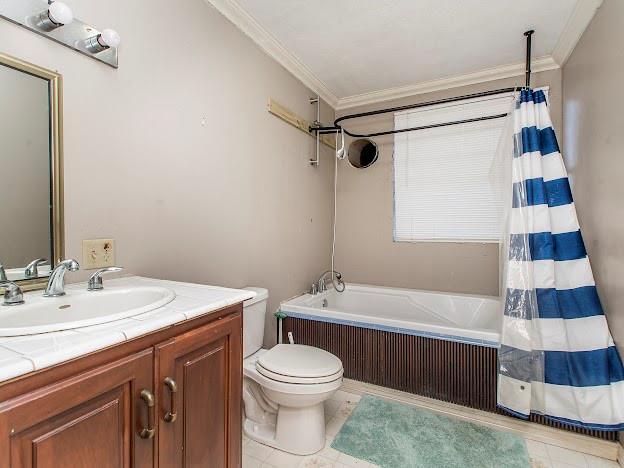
[533, 431]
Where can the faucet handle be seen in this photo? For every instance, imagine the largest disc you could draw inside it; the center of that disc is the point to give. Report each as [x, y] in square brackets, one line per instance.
[95, 282]
[12, 293]
[32, 270]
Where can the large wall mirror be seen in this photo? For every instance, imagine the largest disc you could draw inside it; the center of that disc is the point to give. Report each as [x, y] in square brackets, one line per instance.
[31, 232]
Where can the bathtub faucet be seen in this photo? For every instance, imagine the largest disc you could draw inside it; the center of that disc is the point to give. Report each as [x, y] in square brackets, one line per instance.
[321, 285]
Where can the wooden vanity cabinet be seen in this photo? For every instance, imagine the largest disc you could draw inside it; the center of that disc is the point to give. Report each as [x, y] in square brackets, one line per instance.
[199, 389]
[88, 420]
[168, 399]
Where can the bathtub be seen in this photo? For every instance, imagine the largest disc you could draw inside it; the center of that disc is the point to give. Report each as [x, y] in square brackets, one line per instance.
[445, 316]
[438, 345]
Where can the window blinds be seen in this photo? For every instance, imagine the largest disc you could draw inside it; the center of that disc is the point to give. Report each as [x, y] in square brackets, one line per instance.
[443, 190]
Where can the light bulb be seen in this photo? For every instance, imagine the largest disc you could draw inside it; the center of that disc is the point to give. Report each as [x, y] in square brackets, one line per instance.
[103, 41]
[110, 38]
[60, 13]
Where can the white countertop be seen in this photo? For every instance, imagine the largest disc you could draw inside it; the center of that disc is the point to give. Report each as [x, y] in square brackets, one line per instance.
[20, 355]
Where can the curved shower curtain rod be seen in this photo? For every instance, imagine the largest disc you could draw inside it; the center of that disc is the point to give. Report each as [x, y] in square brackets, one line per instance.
[337, 127]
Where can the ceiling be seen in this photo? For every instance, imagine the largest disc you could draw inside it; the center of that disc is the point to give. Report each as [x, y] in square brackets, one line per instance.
[360, 51]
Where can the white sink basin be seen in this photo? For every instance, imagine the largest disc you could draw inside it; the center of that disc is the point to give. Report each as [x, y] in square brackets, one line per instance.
[79, 308]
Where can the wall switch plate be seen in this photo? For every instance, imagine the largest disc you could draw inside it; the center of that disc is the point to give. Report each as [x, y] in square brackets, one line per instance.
[97, 253]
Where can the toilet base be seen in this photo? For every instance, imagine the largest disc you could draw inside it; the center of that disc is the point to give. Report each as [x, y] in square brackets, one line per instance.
[300, 431]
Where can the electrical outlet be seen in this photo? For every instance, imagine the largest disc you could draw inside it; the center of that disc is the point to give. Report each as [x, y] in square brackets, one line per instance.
[98, 253]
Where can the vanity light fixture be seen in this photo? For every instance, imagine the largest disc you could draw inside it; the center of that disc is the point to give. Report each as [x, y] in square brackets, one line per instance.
[105, 40]
[58, 14]
[55, 20]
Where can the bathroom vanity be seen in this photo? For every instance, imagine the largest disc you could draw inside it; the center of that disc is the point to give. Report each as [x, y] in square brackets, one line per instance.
[129, 372]
[167, 397]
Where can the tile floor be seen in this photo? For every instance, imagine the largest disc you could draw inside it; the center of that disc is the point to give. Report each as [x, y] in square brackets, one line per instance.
[338, 409]
[549, 456]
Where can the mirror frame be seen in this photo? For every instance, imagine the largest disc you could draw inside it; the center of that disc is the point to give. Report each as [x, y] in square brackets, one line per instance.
[55, 81]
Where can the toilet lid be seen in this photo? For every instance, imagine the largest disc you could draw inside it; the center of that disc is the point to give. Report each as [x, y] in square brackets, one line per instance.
[303, 363]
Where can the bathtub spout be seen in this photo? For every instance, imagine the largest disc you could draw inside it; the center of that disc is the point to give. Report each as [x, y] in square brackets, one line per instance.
[321, 285]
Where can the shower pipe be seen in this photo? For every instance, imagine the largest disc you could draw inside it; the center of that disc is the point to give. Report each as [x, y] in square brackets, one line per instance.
[337, 127]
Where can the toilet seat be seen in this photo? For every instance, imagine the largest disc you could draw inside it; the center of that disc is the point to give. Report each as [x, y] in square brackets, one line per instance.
[299, 364]
[298, 380]
[250, 370]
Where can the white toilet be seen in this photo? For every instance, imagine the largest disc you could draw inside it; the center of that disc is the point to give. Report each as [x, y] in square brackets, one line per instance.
[284, 387]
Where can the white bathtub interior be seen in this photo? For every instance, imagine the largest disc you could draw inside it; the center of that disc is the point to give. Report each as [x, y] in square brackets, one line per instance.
[437, 313]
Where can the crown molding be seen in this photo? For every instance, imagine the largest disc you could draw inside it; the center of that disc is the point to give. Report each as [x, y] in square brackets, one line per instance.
[488, 74]
[581, 16]
[269, 44]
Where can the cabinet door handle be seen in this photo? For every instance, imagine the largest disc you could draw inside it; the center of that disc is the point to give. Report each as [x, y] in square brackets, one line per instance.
[172, 414]
[148, 399]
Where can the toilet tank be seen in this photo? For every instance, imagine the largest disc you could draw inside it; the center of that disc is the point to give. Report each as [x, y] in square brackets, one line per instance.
[254, 312]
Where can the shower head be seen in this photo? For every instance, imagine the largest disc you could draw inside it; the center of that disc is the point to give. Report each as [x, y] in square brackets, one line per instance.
[340, 152]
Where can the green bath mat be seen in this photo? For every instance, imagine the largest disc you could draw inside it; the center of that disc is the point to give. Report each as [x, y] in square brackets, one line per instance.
[394, 435]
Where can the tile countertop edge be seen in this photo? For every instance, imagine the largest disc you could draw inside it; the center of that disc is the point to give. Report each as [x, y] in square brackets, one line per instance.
[22, 355]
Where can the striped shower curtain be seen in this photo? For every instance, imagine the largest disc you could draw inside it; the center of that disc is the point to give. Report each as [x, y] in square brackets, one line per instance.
[557, 357]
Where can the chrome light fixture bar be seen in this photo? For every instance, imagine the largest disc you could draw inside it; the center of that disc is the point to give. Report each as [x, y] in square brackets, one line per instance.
[56, 21]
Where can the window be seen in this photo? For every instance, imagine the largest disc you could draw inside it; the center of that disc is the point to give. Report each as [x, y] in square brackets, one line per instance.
[443, 190]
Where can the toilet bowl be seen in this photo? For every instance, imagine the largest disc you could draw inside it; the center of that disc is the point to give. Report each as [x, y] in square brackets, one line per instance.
[284, 387]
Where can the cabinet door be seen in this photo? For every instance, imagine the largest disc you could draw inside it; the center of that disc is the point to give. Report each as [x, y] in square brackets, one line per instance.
[199, 393]
[91, 420]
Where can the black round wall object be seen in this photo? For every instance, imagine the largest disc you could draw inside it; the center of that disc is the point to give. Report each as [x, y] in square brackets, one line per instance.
[363, 153]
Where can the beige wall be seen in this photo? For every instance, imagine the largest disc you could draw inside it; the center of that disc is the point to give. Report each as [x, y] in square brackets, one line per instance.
[366, 252]
[233, 202]
[24, 168]
[593, 151]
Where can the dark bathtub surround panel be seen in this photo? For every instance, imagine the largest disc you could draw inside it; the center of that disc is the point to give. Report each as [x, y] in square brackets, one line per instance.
[450, 371]
[459, 373]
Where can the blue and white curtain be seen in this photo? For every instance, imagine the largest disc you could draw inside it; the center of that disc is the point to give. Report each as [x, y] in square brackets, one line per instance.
[557, 357]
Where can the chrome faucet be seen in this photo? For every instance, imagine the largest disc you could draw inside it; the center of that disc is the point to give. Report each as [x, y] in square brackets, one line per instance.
[32, 269]
[95, 282]
[12, 293]
[3, 276]
[320, 285]
[56, 283]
